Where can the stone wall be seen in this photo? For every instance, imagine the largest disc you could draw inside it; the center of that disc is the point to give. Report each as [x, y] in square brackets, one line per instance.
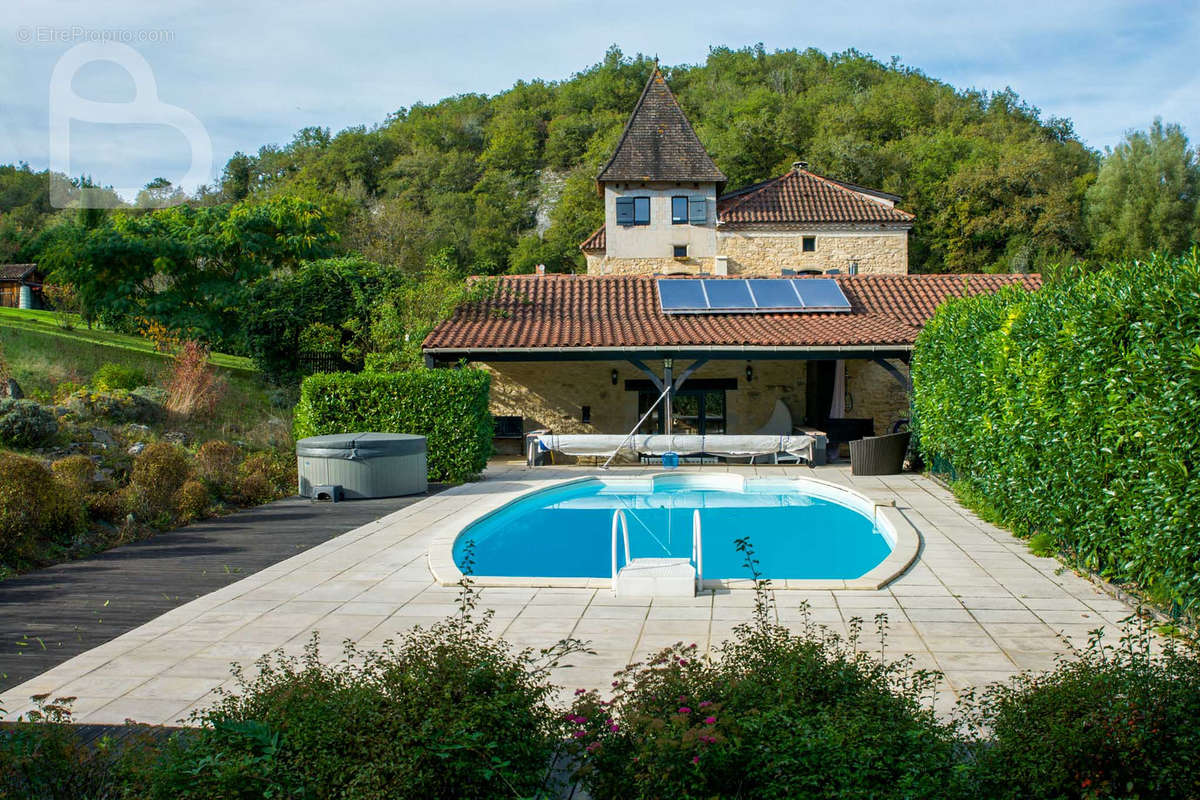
[873, 392]
[601, 264]
[754, 253]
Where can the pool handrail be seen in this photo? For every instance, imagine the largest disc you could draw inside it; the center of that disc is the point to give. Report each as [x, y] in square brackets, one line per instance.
[698, 550]
[619, 516]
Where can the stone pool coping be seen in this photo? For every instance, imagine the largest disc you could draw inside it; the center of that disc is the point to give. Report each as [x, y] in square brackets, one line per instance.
[905, 547]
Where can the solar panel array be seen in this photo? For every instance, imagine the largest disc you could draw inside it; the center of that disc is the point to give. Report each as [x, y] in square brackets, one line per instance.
[750, 295]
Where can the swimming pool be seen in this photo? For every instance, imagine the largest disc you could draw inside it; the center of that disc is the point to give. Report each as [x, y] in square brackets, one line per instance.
[803, 531]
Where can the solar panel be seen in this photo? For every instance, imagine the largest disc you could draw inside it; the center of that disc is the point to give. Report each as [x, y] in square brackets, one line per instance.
[822, 294]
[750, 296]
[681, 295]
[775, 293]
[729, 295]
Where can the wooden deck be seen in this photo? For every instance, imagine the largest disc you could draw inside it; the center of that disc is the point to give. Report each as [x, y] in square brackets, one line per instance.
[54, 614]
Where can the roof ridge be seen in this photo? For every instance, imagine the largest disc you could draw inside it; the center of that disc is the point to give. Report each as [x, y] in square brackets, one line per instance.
[743, 198]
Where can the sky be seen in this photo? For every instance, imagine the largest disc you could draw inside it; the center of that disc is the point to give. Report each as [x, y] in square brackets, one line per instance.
[181, 76]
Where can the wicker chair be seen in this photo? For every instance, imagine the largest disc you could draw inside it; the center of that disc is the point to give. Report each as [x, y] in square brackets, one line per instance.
[879, 455]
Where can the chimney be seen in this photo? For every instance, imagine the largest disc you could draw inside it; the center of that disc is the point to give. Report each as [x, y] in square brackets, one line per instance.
[799, 165]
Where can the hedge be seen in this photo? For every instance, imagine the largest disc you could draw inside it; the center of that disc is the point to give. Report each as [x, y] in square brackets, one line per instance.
[1074, 412]
[448, 406]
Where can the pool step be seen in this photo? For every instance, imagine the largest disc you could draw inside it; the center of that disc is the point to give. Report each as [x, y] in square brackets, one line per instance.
[657, 577]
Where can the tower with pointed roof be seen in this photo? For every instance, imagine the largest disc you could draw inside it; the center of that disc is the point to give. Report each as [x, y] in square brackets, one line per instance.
[664, 212]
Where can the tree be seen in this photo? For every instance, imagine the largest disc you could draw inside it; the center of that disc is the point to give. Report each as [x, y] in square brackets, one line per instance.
[1147, 195]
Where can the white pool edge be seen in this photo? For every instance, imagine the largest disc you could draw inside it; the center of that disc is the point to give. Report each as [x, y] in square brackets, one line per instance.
[906, 543]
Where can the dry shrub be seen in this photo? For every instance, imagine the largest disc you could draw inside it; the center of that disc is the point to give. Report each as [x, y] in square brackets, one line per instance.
[192, 500]
[266, 477]
[194, 388]
[111, 506]
[216, 464]
[158, 473]
[34, 507]
[75, 473]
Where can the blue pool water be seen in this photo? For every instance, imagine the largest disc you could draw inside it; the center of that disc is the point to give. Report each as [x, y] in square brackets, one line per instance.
[798, 529]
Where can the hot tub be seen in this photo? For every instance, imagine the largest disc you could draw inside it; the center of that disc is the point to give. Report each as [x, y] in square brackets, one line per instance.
[363, 465]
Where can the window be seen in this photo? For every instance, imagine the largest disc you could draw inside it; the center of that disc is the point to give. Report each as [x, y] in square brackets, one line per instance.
[624, 210]
[693, 411]
[679, 210]
[808, 244]
[641, 211]
[681, 251]
[698, 210]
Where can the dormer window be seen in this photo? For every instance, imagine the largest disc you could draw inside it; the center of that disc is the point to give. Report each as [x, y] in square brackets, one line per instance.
[633, 210]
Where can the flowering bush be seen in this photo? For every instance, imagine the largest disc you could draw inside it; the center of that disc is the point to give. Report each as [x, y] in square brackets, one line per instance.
[776, 714]
[1119, 721]
[447, 711]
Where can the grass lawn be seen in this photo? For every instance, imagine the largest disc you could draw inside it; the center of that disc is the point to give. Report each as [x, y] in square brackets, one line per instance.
[45, 323]
[41, 356]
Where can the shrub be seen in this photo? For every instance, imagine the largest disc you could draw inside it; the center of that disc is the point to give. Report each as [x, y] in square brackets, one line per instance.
[1118, 722]
[192, 500]
[264, 477]
[447, 406]
[1073, 411]
[45, 758]
[119, 405]
[110, 377]
[158, 473]
[64, 390]
[74, 473]
[447, 711]
[24, 423]
[34, 507]
[194, 387]
[320, 338]
[778, 714]
[216, 463]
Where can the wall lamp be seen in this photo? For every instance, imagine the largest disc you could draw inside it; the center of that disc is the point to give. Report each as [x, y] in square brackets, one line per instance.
[749, 372]
[614, 377]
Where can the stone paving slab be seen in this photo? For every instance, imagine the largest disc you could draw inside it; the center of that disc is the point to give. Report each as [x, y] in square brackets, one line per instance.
[976, 605]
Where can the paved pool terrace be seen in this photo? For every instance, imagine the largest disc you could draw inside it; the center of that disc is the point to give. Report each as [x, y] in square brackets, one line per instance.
[976, 604]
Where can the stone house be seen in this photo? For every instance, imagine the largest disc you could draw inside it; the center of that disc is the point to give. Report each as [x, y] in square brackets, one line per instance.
[781, 305]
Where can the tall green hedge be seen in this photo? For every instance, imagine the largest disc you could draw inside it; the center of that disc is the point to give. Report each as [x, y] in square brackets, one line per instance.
[1074, 411]
[448, 406]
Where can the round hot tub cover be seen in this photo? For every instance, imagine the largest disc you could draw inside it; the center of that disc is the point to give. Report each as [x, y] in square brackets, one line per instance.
[360, 446]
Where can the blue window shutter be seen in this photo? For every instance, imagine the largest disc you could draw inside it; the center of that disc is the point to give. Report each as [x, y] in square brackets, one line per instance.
[697, 211]
[624, 210]
[641, 211]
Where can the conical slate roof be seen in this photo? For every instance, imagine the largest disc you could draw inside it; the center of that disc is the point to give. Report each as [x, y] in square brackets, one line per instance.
[658, 143]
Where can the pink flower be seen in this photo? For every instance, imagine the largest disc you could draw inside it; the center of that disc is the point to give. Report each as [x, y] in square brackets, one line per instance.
[579, 734]
[683, 662]
[614, 727]
[710, 720]
[580, 691]
[705, 703]
[695, 759]
[683, 698]
[593, 747]
[684, 710]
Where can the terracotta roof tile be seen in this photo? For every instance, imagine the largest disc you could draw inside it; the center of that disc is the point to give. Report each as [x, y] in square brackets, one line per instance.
[597, 241]
[658, 143]
[801, 197]
[563, 311]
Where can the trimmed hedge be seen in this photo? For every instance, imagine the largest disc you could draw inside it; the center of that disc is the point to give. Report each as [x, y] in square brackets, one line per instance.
[1074, 412]
[447, 406]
